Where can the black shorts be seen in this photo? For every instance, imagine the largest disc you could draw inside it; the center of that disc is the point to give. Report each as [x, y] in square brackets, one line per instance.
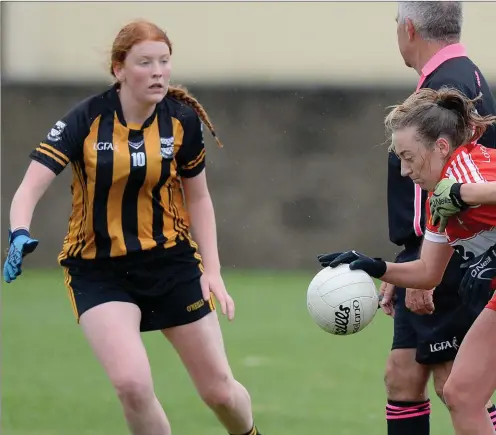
[436, 337]
[164, 286]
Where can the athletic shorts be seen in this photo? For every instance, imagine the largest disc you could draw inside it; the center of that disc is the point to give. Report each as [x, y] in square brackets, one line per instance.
[166, 288]
[435, 337]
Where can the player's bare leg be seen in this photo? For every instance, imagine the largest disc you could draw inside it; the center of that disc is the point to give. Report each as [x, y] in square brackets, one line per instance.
[405, 379]
[440, 374]
[408, 408]
[112, 330]
[473, 379]
[201, 348]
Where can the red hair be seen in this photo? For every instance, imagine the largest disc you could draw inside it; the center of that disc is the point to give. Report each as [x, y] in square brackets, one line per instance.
[132, 34]
[140, 31]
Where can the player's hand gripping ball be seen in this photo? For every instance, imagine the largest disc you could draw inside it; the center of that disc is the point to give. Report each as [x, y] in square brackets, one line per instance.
[342, 301]
[375, 267]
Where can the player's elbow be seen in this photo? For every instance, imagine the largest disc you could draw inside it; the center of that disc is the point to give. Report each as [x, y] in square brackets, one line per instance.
[431, 279]
[430, 284]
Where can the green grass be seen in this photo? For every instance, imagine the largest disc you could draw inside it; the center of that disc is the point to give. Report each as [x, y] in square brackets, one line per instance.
[302, 380]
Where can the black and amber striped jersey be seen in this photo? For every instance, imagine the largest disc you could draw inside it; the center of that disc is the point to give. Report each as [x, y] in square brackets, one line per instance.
[126, 191]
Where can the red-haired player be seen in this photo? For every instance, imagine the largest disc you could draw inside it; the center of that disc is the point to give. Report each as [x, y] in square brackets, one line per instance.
[131, 263]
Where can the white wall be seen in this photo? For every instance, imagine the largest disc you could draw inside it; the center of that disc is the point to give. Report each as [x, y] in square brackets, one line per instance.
[218, 42]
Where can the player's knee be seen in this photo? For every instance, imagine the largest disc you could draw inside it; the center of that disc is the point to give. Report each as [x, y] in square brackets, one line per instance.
[393, 380]
[219, 393]
[456, 395]
[459, 396]
[452, 395]
[403, 384]
[133, 392]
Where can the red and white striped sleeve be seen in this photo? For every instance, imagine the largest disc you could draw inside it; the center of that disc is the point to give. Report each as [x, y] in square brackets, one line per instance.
[465, 168]
[476, 166]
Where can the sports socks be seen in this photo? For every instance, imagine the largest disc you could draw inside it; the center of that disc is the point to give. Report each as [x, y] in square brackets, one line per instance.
[492, 414]
[412, 418]
[253, 431]
[409, 418]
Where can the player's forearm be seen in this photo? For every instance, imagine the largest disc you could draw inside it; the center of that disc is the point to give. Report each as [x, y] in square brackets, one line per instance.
[412, 274]
[204, 229]
[22, 208]
[478, 193]
[33, 186]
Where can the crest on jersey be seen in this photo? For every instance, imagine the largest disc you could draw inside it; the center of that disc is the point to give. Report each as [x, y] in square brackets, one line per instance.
[167, 147]
[55, 133]
[136, 145]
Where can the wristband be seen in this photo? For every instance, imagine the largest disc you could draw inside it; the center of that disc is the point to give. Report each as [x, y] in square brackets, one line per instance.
[456, 197]
[18, 232]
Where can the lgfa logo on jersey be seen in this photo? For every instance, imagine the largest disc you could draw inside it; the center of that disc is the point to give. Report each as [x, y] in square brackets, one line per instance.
[167, 147]
[104, 146]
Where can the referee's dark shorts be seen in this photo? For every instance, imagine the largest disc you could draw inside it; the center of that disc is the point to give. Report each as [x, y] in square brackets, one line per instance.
[436, 337]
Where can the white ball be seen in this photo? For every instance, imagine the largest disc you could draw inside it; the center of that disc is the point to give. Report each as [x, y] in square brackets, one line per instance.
[342, 301]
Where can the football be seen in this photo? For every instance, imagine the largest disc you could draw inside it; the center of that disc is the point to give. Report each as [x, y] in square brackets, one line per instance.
[342, 301]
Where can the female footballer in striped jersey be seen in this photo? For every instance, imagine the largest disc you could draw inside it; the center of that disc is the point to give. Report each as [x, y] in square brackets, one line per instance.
[435, 135]
[130, 261]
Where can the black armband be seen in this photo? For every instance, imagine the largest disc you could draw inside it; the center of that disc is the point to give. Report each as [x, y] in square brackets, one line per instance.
[456, 197]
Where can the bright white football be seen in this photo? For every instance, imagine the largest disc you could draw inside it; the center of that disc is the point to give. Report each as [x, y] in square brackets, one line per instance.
[342, 301]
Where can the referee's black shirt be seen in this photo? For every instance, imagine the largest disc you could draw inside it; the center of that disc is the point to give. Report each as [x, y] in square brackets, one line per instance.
[449, 67]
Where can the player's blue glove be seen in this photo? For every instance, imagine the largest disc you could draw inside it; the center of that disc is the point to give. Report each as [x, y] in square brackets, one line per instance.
[21, 244]
[479, 281]
[375, 267]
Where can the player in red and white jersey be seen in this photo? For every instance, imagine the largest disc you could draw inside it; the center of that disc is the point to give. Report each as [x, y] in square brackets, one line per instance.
[470, 171]
[434, 134]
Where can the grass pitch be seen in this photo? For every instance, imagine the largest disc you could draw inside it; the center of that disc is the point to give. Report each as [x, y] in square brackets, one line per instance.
[302, 380]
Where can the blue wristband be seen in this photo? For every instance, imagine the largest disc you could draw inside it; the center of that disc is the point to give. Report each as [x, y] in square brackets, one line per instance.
[18, 232]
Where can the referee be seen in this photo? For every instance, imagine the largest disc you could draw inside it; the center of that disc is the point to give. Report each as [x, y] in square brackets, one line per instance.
[429, 42]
